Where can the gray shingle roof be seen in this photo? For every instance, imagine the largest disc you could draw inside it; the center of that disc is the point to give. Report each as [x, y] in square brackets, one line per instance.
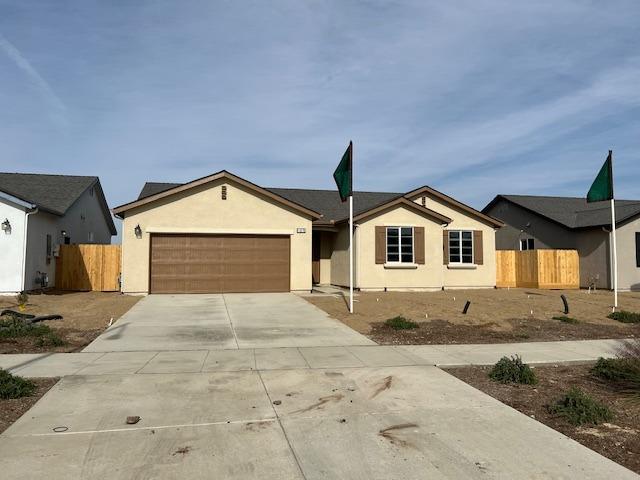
[52, 193]
[151, 188]
[326, 202]
[575, 212]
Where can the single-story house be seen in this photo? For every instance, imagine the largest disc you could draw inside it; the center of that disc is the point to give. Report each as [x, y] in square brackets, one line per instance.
[222, 233]
[571, 223]
[40, 212]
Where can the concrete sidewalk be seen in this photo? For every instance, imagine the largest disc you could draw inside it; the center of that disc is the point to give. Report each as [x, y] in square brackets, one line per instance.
[194, 361]
[407, 422]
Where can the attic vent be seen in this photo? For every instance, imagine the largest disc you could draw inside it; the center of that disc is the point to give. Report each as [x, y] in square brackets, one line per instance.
[424, 201]
[224, 192]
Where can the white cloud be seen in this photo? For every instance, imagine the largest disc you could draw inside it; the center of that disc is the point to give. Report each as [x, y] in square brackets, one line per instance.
[57, 108]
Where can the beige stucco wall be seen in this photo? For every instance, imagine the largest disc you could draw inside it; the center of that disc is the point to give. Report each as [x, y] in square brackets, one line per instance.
[374, 276]
[202, 210]
[340, 257]
[433, 275]
[481, 276]
[628, 271]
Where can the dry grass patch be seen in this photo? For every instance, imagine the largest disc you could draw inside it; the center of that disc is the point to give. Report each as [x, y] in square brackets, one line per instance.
[495, 315]
[85, 316]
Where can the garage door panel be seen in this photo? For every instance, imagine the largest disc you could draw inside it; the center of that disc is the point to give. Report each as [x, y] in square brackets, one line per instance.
[217, 263]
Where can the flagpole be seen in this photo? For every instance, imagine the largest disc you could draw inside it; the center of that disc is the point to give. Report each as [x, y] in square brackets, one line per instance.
[351, 228]
[613, 240]
[351, 253]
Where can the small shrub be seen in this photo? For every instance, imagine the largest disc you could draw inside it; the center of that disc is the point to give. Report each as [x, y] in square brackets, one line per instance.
[579, 408]
[51, 339]
[12, 386]
[14, 328]
[565, 319]
[512, 370]
[623, 371]
[400, 323]
[625, 317]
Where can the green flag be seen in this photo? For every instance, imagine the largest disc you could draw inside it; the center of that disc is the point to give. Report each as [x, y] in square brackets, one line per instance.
[602, 188]
[344, 174]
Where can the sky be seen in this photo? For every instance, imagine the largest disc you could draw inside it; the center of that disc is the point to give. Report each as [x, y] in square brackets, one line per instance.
[473, 98]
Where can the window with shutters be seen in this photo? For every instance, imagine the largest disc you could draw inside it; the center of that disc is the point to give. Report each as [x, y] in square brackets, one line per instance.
[461, 246]
[400, 245]
[638, 249]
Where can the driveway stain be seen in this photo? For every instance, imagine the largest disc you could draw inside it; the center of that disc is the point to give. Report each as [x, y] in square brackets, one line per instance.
[385, 384]
[322, 401]
[181, 451]
[391, 434]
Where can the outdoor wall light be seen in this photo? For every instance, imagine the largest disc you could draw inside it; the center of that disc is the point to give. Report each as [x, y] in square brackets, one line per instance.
[63, 233]
[138, 231]
[6, 226]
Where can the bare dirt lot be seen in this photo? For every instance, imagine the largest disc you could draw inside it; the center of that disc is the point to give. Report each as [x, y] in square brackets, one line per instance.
[617, 440]
[13, 409]
[86, 315]
[494, 316]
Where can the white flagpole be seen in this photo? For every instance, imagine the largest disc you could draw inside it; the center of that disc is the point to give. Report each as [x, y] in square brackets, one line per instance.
[351, 252]
[613, 241]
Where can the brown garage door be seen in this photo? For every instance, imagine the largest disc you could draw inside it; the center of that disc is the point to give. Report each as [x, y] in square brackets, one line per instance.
[219, 263]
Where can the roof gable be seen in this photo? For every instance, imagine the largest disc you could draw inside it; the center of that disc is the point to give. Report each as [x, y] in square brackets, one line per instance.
[54, 194]
[166, 190]
[402, 202]
[412, 195]
[333, 209]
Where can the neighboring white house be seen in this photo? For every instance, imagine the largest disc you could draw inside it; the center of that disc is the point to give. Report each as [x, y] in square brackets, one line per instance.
[40, 212]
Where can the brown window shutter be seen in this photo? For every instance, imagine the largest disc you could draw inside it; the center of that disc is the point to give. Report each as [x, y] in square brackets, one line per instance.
[477, 247]
[418, 240]
[381, 245]
[445, 247]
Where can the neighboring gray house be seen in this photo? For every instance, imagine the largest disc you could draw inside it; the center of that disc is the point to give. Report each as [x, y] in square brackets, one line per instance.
[533, 222]
[40, 212]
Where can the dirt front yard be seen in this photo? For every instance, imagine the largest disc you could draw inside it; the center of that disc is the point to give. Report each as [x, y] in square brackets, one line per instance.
[494, 316]
[85, 316]
[617, 439]
[12, 409]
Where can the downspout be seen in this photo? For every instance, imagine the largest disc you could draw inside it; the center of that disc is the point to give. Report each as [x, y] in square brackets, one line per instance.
[24, 248]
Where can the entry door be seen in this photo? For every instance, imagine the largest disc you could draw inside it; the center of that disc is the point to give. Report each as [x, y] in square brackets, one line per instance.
[315, 257]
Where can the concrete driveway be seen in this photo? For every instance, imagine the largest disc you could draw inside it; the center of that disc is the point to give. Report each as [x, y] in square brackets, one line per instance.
[229, 321]
[409, 422]
[332, 407]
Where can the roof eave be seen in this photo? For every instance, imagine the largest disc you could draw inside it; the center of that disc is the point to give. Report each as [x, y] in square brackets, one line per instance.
[120, 210]
[400, 201]
[450, 200]
[16, 200]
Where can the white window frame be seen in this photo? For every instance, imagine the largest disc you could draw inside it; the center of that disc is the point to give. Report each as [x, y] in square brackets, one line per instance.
[413, 241]
[527, 240]
[473, 259]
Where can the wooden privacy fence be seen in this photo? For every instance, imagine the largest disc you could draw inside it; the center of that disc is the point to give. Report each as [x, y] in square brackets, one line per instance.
[88, 267]
[545, 269]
